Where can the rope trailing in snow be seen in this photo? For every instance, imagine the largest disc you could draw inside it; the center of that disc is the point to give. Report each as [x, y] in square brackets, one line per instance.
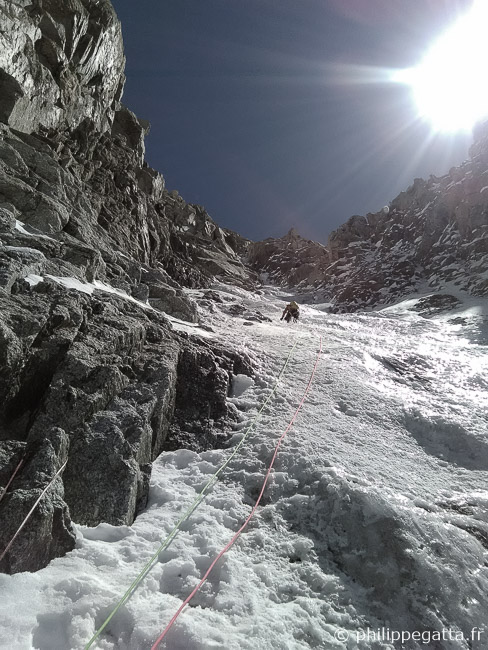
[213, 479]
[233, 540]
[32, 510]
[4, 492]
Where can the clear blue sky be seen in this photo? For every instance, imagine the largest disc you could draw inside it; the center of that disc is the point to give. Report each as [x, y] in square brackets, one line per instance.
[254, 115]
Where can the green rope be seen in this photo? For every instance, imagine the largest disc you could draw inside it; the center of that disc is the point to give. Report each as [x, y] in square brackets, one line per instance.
[147, 567]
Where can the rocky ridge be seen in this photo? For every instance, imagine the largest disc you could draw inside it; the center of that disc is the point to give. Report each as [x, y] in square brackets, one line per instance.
[95, 254]
[290, 261]
[435, 232]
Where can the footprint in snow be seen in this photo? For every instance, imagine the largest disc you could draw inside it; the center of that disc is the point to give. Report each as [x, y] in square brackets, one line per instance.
[346, 409]
[51, 632]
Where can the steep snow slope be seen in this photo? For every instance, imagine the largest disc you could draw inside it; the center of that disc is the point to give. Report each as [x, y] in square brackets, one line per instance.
[375, 521]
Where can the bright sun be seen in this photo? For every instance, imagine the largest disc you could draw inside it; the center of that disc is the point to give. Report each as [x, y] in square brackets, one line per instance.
[449, 85]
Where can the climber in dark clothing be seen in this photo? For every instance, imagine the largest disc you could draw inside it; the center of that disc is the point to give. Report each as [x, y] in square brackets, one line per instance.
[291, 311]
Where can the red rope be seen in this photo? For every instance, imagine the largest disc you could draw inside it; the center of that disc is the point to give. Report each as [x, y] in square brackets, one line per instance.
[233, 540]
[11, 479]
[32, 510]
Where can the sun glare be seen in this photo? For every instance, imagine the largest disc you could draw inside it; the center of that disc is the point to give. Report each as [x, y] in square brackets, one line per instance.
[449, 85]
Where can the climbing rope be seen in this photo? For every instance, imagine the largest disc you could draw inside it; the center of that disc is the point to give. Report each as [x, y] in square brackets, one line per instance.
[233, 540]
[167, 541]
[11, 479]
[32, 510]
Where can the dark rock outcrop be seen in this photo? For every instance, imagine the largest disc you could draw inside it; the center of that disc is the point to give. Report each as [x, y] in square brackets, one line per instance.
[48, 532]
[435, 304]
[102, 382]
[201, 391]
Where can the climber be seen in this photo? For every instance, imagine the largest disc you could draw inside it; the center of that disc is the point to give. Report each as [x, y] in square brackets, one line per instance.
[291, 310]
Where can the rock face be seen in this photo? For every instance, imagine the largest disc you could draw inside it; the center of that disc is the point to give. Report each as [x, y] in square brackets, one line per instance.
[53, 61]
[434, 232]
[94, 253]
[290, 261]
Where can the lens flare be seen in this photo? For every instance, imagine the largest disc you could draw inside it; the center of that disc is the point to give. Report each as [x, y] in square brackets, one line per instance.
[449, 85]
